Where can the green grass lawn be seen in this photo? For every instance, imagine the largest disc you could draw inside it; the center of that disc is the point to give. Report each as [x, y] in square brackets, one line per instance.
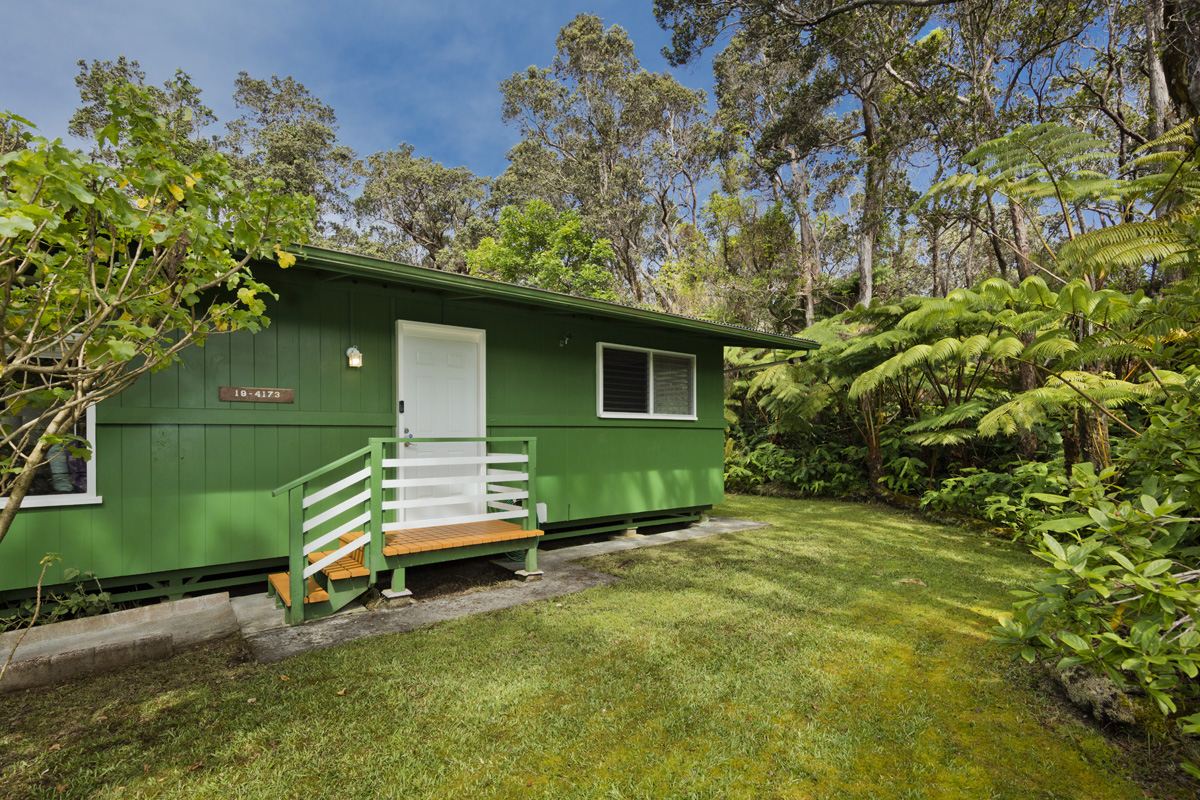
[794, 661]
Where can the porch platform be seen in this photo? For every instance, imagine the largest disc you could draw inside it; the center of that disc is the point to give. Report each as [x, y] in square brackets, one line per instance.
[445, 537]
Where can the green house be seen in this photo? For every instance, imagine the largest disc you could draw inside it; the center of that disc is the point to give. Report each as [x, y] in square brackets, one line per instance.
[538, 413]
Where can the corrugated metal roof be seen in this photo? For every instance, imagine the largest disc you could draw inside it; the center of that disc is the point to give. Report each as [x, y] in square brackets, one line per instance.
[365, 266]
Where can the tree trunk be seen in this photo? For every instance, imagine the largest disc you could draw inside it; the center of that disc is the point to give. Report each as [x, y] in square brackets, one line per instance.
[1092, 430]
[872, 213]
[1027, 375]
[1181, 55]
[866, 404]
[935, 260]
[1020, 240]
[60, 422]
[1071, 455]
[810, 251]
[1160, 111]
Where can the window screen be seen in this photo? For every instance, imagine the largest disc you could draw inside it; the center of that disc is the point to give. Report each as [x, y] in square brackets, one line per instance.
[672, 385]
[626, 381]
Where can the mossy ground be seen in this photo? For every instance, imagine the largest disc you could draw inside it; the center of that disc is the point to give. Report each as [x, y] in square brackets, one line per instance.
[799, 661]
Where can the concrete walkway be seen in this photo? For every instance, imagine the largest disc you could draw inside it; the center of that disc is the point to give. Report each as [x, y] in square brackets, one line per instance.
[52, 653]
[271, 639]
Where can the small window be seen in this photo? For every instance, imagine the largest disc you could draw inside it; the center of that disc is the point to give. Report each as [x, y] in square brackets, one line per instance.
[65, 477]
[636, 382]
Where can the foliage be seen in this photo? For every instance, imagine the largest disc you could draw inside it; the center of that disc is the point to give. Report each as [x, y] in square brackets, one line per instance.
[79, 601]
[1014, 497]
[822, 472]
[622, 146]
[177, 100]
[538, 246]
[417, 210]
[287, 134]
[1120, 592]
[113, 267]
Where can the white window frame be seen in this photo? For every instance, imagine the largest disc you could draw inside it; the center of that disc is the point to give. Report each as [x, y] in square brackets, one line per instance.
[600, 412]
[86, 498]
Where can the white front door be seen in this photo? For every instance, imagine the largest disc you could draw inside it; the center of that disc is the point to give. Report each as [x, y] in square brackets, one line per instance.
[441, 386]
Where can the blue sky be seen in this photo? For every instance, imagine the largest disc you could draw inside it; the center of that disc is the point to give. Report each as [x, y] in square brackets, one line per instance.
[422, 72]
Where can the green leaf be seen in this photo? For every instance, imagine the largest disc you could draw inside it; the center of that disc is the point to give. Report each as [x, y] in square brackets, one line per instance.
[121, 350]
[1054, 547]
[1157, 567]
[1122, 560]
[1065, 525]
[1052, 499]
[10, 227]
[1073, 641]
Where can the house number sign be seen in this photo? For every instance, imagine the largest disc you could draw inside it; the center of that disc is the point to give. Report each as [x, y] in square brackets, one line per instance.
[255, 394]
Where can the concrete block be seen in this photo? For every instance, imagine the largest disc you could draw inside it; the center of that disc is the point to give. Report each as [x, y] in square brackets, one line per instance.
[122, 654]
[71, 663]
[528, 577]
[26, 674]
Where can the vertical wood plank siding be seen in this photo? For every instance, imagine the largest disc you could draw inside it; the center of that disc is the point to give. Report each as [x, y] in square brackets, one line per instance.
[186, 478]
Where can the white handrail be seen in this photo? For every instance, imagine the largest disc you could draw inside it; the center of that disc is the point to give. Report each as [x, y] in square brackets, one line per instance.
[412, 525]
[425, 502]
[450, 461]
[334, 488]
[341, 507]
[445, 480]
[346, 527]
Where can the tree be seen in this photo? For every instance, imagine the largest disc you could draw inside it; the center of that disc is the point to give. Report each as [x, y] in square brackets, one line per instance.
[541, 247]
[176, 99]
[415, 208]
[850, 59]
[287, 134]
[623, 146]
[112, 267]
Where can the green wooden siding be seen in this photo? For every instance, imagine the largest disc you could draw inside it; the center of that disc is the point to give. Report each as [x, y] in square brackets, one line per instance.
[186, 478]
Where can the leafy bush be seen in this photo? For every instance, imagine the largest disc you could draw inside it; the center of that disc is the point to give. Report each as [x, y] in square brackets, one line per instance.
[830, 471]
[1120, 593]
[1020, 497]
[56, 607]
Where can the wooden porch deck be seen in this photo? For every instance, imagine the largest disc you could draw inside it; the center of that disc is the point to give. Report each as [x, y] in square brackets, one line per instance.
[444, 537]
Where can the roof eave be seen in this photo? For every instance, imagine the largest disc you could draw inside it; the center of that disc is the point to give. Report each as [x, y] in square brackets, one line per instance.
[391, 271]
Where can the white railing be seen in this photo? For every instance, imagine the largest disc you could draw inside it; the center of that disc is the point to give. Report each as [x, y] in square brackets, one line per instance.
[392, 491]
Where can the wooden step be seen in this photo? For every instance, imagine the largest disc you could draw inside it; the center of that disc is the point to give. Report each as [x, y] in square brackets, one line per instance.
[348, 566]
[446, 537]
[280, 581]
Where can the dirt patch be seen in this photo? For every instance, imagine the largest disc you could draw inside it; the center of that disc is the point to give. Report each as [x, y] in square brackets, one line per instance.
[455, 577]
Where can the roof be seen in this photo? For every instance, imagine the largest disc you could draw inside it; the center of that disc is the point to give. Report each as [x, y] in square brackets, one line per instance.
[468, 286]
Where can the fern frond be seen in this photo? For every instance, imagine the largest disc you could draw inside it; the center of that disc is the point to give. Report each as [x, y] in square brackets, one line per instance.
[1051, 344]
[944, 438]
[1178, 138]
[953, 416]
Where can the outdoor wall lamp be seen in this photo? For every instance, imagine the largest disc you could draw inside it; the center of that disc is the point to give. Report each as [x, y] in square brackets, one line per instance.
[354, 356]
[566, 337]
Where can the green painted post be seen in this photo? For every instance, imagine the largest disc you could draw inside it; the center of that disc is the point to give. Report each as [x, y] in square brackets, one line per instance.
[398, 581]
[375, 481]
[531, 559]
[529, 448]
[296, 581]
